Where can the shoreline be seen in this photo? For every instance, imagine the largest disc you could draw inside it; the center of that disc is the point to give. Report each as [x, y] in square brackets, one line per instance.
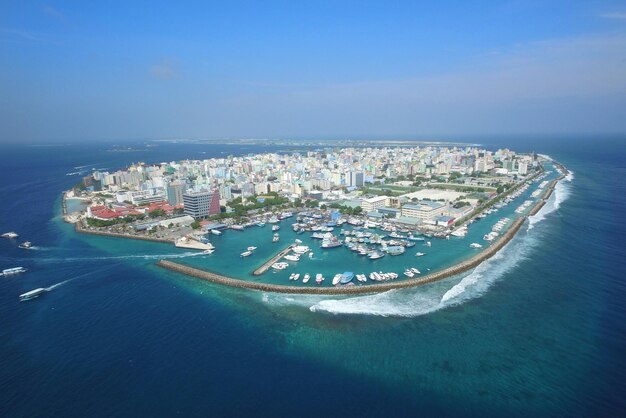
[78, 227]
[458, 268]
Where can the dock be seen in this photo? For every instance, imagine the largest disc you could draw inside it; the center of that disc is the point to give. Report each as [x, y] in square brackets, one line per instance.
[265, 266]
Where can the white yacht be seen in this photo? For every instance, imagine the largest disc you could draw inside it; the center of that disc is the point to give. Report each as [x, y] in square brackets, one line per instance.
[246, 253]
[10, 235]
[475, 245]
[306, 278]
[418, 254]
[32, 294]
[251, 248]
[336, 279]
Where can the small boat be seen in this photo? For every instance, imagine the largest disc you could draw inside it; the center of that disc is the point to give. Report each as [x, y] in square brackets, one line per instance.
[418, 254]
[237, 227]
[273, 220]
[475, 245]
[296, 276]
[310, 255]
[306, 278]
[275, 238]
[275, 227]
[408, 273]
[346, 277]
[246, 253]
[10, 235]
[251, 248]
[32, 294]
[336, 279]
[428, 244]
[319, 278]
[260, 224]
[216, 232]
[280, 266]
[292, 257]
[291, 276]
[416, 271]
[298, 241]
[207, 251]
[26, 245]
[375, 255]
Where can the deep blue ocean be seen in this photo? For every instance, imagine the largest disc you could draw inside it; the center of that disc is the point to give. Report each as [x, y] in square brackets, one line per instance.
[539, 330]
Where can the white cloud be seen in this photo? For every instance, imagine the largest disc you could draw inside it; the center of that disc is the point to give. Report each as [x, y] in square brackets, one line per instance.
[166, 69]
[614, 15]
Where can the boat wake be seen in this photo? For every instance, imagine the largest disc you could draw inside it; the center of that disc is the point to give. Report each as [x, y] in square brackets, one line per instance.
[54, 286]
[121, 257]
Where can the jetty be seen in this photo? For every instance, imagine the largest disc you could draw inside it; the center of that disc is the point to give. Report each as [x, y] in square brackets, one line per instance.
[265, 266]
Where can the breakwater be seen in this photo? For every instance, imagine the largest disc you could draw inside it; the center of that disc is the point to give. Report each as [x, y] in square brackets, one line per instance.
[349, 290]
[265, 266]
[78, 227]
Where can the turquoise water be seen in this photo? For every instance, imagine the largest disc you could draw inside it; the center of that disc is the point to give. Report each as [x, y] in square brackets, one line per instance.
[537, 330]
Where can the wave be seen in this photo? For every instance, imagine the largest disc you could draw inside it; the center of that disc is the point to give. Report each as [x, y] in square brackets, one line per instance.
[562, 191]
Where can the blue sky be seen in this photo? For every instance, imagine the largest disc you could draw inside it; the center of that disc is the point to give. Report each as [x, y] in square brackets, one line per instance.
[112, 71]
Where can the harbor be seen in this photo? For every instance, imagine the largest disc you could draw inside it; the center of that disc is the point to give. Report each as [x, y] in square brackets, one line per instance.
[266, 266]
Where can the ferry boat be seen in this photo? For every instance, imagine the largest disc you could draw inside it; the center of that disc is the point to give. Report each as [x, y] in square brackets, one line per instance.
[14, 270]
[275, 227]
[32, 294]
[10, 235]
[275, 238]
[395, 250]
[26, 245]
[346, 277]
[319, 278]
[306, 278]
[246, 253]
[216, 232]
[332, 242]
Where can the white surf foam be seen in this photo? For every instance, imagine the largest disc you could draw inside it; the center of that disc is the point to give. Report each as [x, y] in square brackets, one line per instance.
[562, 191]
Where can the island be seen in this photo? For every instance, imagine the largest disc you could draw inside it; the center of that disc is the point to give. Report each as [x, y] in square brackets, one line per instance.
[334, 220]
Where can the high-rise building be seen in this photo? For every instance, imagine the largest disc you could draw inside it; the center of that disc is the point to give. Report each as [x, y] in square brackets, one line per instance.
[175, 193]
[356, 179]
[200, 204]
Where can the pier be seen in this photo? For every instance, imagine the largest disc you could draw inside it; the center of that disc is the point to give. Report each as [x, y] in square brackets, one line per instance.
[265, 266]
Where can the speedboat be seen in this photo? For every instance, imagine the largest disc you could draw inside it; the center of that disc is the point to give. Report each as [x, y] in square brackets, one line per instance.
[13, 270]
[408, 273]
[306, 278]
[280, 265]
[246, 253]
[310, 255]
[260, 224]
[296, 276]
[428, 244]
[416, 271]
[275, 227]
[32, 294]
[292, 257]
[475, 245]
[207, 251]
[26, 245]
[251, 248]
[319, 278]
[10, 235]
[419, 254]
[275, 238]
